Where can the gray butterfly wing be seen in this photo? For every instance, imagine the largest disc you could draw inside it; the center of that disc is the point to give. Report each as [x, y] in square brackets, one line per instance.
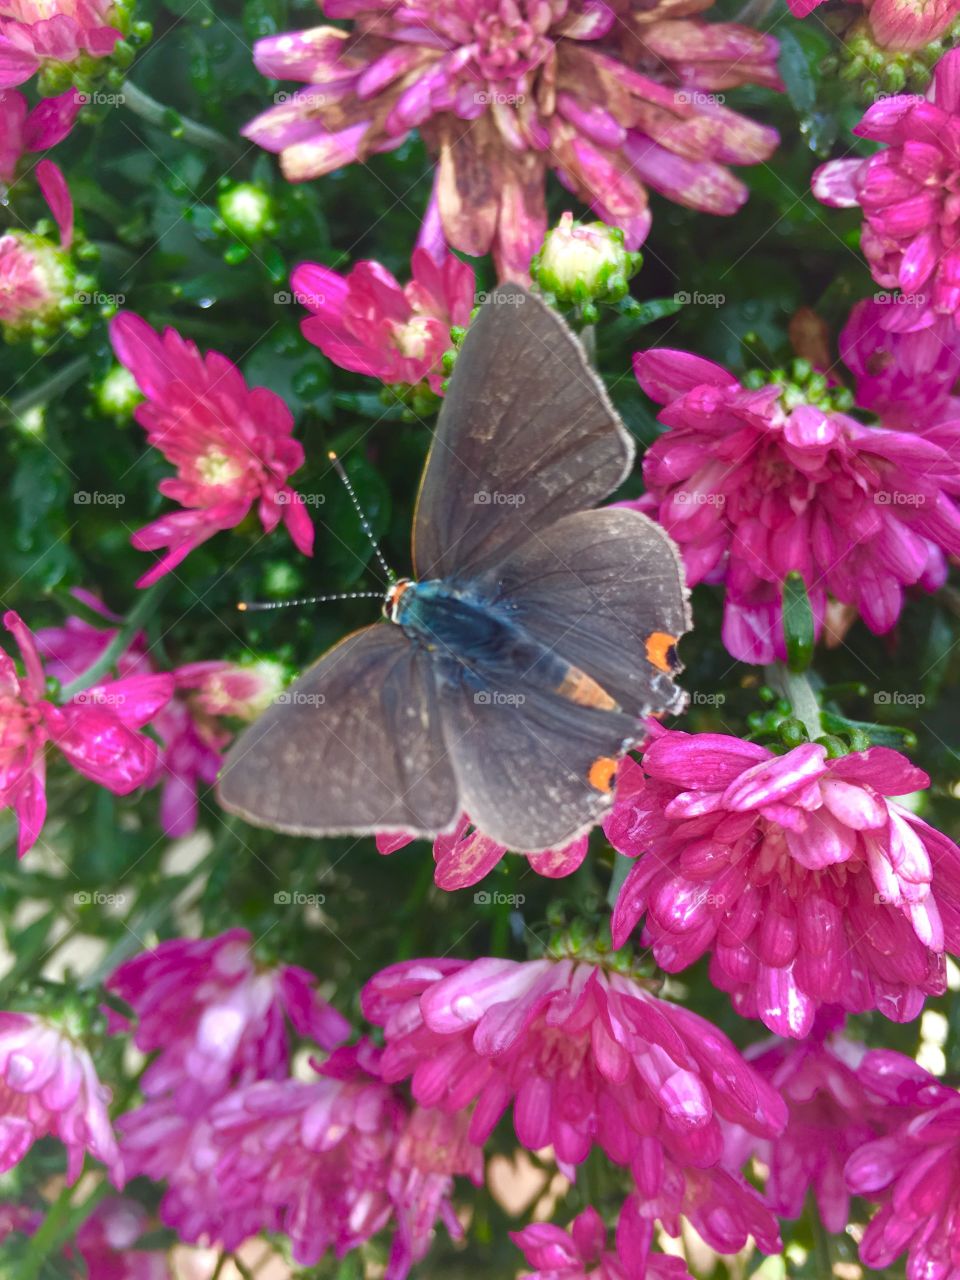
[606, 591]
[526, 434]
[353, 746]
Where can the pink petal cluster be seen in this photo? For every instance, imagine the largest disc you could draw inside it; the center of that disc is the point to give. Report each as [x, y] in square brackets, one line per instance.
[329, 1162]
[96, 730]
[106, 1243]
[466, 856]
[232, 445]
[897, 24]
[832, 1112]
[587, 1058]
[754, 486]
[23, 130]
[215, 1018]
[912, 1171]
[504, 90]
[367, 322]
[801, 876]
[909, 192]
[36, 32]
[49, 1087]
[581, 1253]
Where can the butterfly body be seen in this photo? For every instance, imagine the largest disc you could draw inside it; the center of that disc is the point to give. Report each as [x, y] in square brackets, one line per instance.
[515, 669]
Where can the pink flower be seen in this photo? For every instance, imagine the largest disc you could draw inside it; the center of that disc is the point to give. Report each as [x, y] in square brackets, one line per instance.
[581, 1253]
[367, 322]
[502, 91]
[23, 130]
[908, 192]
[897, 24]
[215, 1018]
[586, 1057]
[232, 445]
[754, 485]
[912, 1171]
[832, 1112]
[239, 691]
[96, 731]
[36, 32]
[905, 378]
[329, 1162]
[106, 1243]
[466, 856]
[803, 879]
[49, 1087]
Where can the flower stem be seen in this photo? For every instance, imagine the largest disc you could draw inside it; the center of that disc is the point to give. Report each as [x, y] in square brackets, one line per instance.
[55, 385]
[142, 610]
[798, 691]
[621, 868]
[155, 113]
[60, 1225]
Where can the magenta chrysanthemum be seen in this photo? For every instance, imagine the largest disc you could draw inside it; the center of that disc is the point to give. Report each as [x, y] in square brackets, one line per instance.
[503, 91]
[587, 1058]
[581, 1253]
[232, 444]
[48, 1086]
[800, 875]
[910, 196]
[754, 486]
[365, 321]
[217, 1019]
[36, 32]
[97, 731]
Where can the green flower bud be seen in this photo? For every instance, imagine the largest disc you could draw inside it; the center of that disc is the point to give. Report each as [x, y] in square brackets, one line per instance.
[584, 262]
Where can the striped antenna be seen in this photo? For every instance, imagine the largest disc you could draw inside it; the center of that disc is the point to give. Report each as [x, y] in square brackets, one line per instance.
[364, 522]
[258, 606]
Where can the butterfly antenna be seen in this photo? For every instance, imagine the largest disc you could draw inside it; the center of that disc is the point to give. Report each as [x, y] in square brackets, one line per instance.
[258, 606]
[364, 522]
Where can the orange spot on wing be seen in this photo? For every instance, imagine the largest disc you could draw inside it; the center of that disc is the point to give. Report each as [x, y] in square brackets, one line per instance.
[602, 773]
[582, 689]
[661, 651]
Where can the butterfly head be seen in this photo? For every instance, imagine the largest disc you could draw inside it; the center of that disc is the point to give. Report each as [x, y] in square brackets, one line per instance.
[391, 600]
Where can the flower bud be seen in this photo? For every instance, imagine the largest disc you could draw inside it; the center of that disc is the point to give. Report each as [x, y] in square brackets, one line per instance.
[582, 262]
[246, 210]
[36, 282]
[118, 394]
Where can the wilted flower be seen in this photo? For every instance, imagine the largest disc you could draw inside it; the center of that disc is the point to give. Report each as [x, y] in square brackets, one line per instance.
[905, 378]
[912, 1171]
[48, 1086]
[800, 875]
[832, 1112]
[897, 24]
[367, 322]
[580, 1252]
[501, 92]
[908, 194]
[232, 445]
[34, 33]
[583, 261]
[217, 1019]
[586, 1057]
[466, 856]
[96, 731]
[756, 484]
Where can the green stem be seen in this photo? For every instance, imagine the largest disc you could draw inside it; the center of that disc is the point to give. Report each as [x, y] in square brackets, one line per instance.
[155, 113]
[55, 385]
[621, 869]
[798, 691]
[120, 642]
[59, 1226]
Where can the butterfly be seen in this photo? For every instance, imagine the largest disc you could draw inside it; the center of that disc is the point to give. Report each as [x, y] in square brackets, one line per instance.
[512, 673]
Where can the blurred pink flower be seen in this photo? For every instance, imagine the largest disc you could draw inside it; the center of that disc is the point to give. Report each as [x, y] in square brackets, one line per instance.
[912, 1171]
[49, 1087]
[36, 275]
[586, 1057]
[907, 379]
[754, 486]
[328, 1162]
[215, 1018]
[832, 1112]
[900, 25]
[23, 130]
[35, 32]
[800, 875]
[232, 445]
[365, 321]
[465, 856]
[106, 1243]
[502, 92]
[580, 1252]
[908, 192]
[96, 731]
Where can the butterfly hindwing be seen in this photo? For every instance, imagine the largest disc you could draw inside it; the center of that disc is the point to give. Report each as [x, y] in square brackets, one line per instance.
[354, 745]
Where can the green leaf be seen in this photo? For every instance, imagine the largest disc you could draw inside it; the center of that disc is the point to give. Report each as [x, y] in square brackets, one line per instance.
[797, 623]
